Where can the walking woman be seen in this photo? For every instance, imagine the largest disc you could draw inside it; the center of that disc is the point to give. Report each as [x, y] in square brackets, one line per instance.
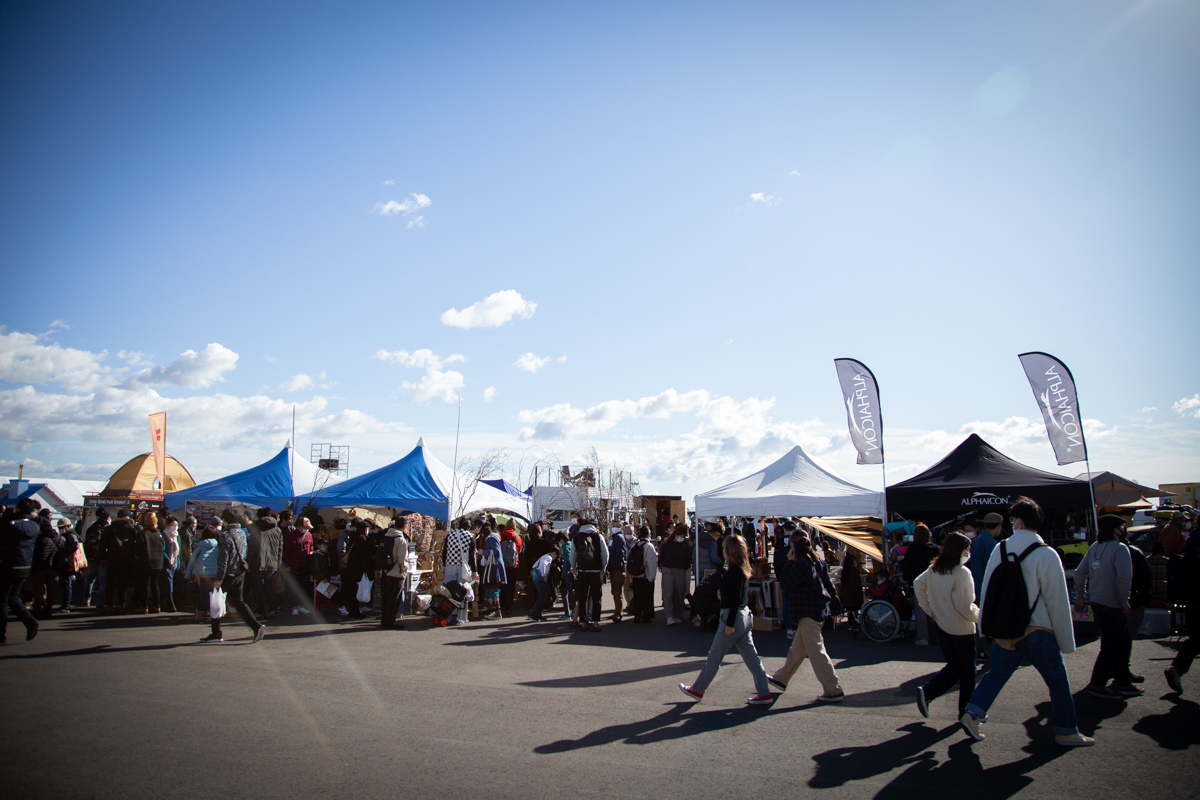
[736, 631]
[946, 591]
[810, 593]
[492, 573]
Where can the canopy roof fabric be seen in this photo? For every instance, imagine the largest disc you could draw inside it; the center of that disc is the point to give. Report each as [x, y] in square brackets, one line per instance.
[977, 476]
[272, 484]
[793, 486]
[1113, 490]
[864, 534]
[418, 482]
[505, 486]
[139, 473]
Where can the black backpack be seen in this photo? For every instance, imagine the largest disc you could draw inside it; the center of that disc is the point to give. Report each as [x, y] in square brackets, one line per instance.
[1006, 609]
[587, 554]
[385, 555]
[636, 563]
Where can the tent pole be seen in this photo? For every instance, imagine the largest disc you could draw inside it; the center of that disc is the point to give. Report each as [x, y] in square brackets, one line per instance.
[454, 472]
[1093, 522]
[696, 544]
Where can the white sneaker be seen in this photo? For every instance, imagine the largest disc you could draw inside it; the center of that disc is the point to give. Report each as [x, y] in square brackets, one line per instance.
[343, 611]
[791, 634]
[296, 612]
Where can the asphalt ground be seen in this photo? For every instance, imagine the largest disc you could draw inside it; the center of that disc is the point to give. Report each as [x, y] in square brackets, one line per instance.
[133, 707]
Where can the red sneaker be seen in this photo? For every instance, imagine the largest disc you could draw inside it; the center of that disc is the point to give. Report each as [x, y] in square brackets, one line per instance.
[690, 692]
[761, 700]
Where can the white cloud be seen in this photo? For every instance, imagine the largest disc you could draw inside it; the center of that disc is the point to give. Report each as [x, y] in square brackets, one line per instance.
[796, 173]
[1014, 432]
[135, 358]
[409, 208]
[192, 370]
[296, 383]
[271, 359]
[561, 359]
[766, 199]
[389, 182]
[528, 362]
[437, 382]
[1149, 408]
[25, 359]
[1189, 406]
[59, 323]
[491, 312]
[422, 359]
[489, 393]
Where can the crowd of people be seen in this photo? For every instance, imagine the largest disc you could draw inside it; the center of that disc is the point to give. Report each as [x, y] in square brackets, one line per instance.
[983, 591]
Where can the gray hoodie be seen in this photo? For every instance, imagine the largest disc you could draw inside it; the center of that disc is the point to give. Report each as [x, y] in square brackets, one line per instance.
[1107, 573]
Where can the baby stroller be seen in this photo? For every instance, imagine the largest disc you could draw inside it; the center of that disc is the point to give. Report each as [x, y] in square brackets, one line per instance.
[449, 601]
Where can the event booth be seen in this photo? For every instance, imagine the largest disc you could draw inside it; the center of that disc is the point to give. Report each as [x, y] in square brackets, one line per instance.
[272, 484]
[420, 483]
[794, 486]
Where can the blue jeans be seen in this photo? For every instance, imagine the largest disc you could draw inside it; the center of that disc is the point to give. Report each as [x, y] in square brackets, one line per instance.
[742, 638]
[536, 611]
[70, 583]
[93, 585]
[1042, 649]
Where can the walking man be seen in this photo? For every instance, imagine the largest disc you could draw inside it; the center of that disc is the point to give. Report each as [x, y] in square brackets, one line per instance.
[16, 555]
[1047, 625]
[1189, 595]
[618, 550]
[231, 576]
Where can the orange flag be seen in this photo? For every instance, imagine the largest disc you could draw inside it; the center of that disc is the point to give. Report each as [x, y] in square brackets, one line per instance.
[158, 444]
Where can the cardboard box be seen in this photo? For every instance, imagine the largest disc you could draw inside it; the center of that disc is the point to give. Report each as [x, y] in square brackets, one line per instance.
[766, 624]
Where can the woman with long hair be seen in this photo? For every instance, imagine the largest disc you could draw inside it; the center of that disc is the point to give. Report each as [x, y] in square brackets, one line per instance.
[810, 594]
[675, 562]
[492, 574]
[736, 631]
[946, 592]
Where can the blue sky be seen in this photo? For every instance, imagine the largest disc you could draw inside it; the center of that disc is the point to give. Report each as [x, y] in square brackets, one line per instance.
[681, 212]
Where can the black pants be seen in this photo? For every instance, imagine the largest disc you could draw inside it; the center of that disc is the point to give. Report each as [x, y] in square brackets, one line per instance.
[392, 591]
[588, 586]
[44, 584]
[233, 586]
[116, 584]
[959, 652]
[1191, 648]
[10, 600]
[154, 587]
[141, 578]
[1115, 647]
[643, 599]
[350, 592]
[508, 591]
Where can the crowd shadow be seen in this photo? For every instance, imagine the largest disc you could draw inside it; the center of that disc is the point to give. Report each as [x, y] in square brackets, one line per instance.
[672, 724]
[100, 649]
[1178, 729]
[925, 774]
[617, 678]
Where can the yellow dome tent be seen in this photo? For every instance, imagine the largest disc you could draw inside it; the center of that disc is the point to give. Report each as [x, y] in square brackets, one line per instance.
[138, 474]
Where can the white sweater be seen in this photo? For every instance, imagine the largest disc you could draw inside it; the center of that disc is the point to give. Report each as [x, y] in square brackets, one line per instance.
[1044, 574]
[949, 599]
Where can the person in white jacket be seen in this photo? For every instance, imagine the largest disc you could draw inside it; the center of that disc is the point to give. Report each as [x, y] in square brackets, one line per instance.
[946, 593]
[1047, 637]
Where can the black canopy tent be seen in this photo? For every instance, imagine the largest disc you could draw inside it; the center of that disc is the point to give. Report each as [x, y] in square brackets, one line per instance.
[977, 477]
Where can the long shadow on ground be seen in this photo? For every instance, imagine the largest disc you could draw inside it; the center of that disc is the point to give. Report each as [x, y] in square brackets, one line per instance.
[673, 723]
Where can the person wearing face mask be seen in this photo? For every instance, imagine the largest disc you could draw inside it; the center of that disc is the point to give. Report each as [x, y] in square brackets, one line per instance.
[1106, 574]
[1173, 536]
[946, 592]
[171, 554]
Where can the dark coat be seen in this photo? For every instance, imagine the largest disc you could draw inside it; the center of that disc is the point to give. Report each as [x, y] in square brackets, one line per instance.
[118, 541]
[155, 547]
[917, 559]
[264, 545]
[17, 538]
[45, 549]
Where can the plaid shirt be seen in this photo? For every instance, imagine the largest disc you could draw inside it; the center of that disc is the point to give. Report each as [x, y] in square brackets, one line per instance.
[808, 588]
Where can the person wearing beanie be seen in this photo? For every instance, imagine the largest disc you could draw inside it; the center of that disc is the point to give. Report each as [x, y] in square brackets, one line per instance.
[1105, 577]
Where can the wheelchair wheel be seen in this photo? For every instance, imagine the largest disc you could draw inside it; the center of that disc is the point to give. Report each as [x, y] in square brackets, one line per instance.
[880, 621]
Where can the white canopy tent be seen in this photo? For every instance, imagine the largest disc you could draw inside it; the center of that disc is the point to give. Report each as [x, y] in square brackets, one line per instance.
[794, 486]
[471, 495]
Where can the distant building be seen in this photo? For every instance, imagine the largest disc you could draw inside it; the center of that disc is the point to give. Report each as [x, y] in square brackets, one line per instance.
[1186, 493]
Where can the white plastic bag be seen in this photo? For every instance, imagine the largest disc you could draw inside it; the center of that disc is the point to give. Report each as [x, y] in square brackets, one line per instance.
[364, 590]
[216, 603]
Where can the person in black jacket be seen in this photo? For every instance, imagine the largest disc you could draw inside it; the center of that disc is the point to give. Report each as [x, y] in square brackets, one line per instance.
[734, 628]
[44, 573]
[358, 560]
[93, 547]
[917, 558]
[139, 564]
[1139, 589]
[17, 537]
[155, 548]
[117, 544]
[779, 558]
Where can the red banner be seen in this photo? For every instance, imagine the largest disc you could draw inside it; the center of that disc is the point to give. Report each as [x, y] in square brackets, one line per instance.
[158, 445]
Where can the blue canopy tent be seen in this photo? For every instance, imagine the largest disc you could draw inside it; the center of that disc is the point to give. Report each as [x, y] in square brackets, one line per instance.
[505, 486]
[418, 482]
[273, 484]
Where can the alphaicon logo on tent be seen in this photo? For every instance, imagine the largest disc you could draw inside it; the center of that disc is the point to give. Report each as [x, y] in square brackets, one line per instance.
[985, 499]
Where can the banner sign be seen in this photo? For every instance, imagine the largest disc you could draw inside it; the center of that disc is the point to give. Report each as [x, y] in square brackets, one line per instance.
[158, 444]
[1054, 388]
[861, 394]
